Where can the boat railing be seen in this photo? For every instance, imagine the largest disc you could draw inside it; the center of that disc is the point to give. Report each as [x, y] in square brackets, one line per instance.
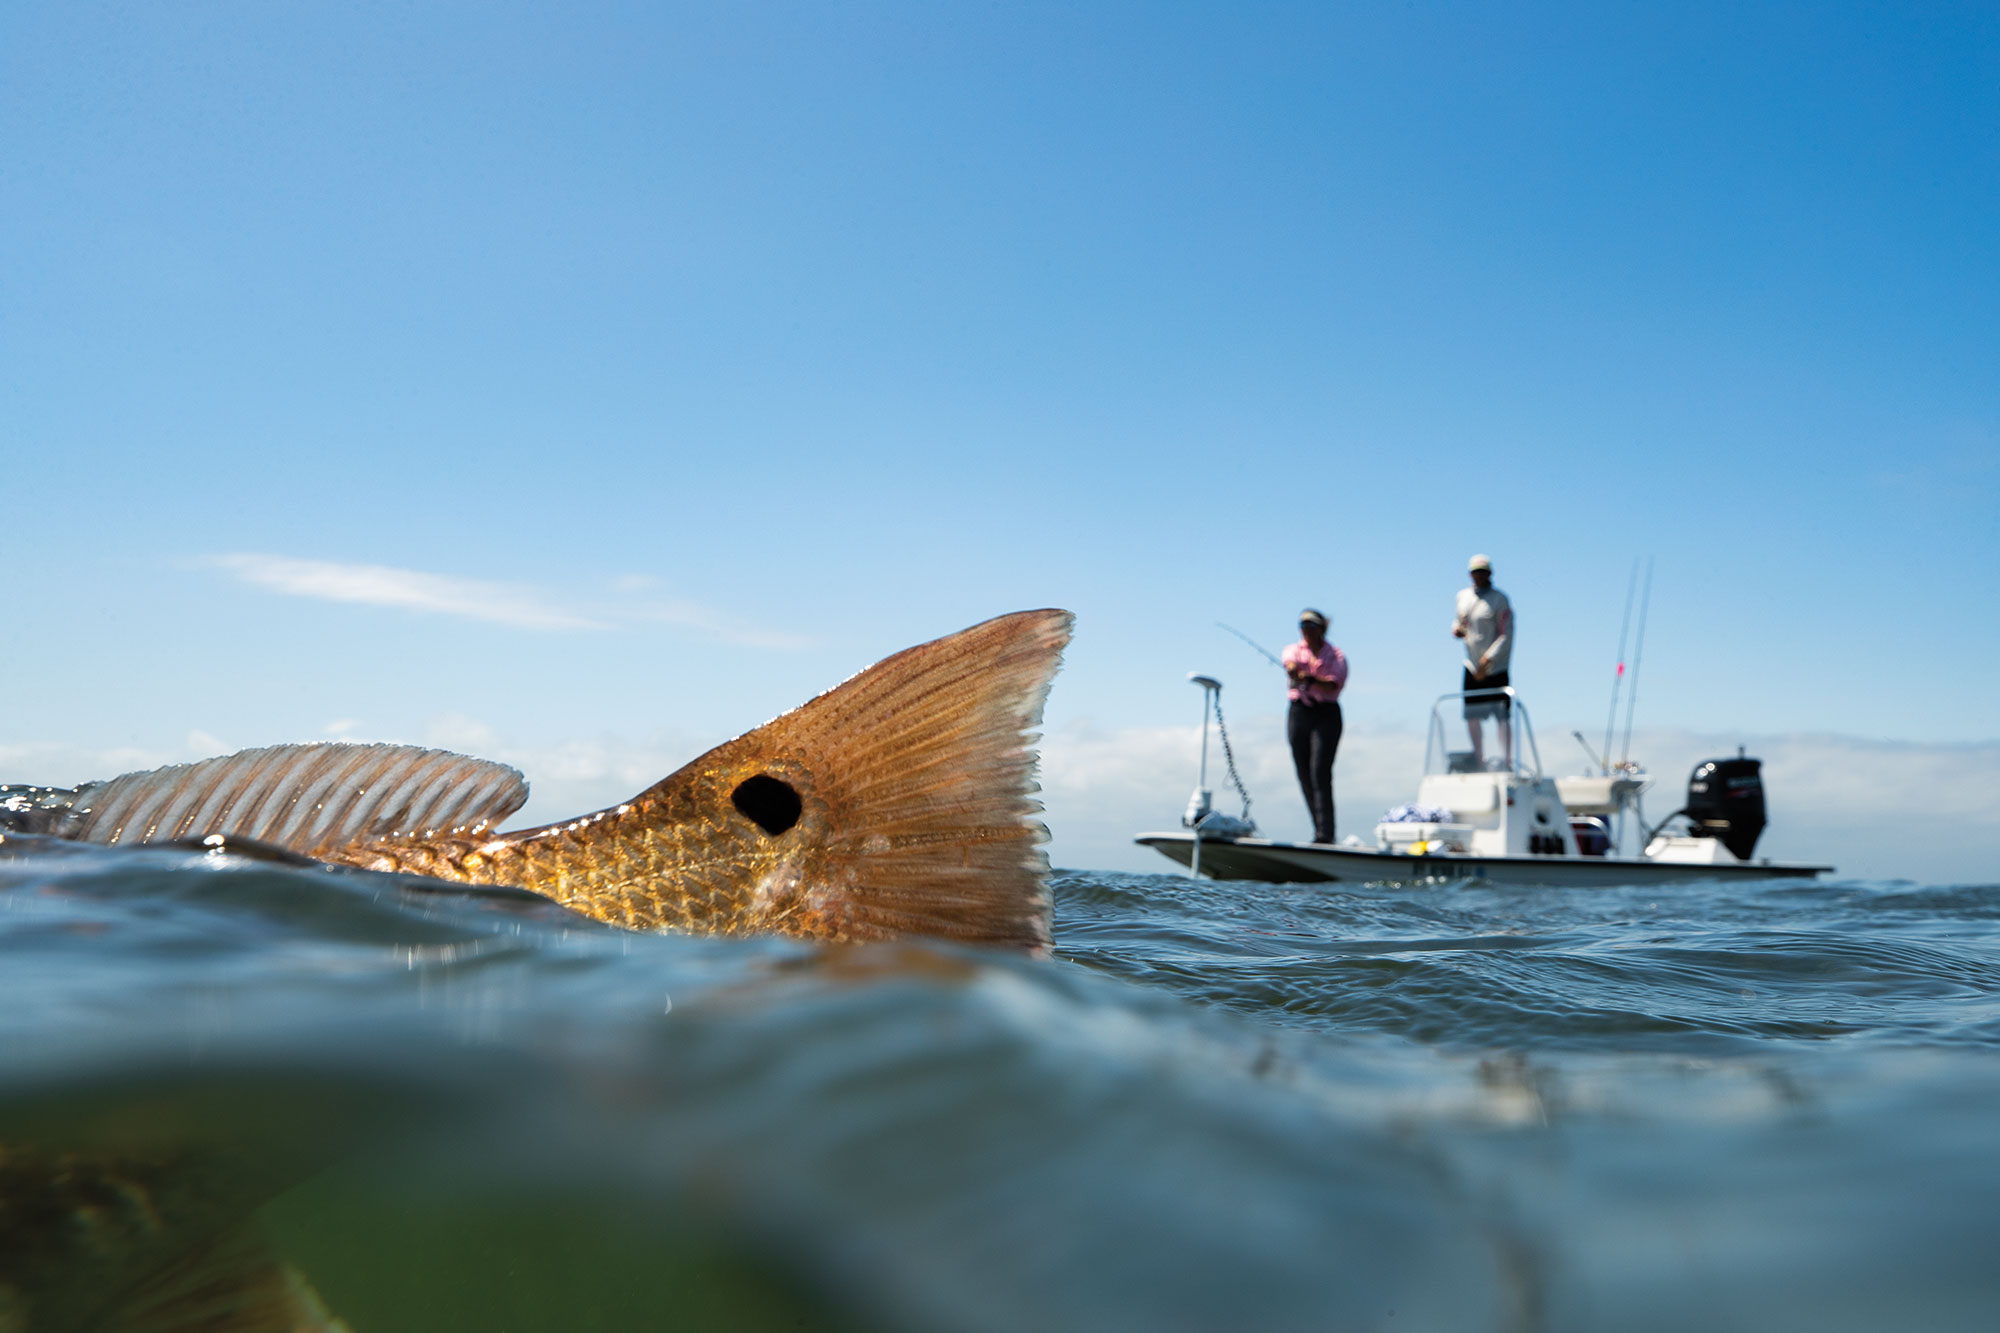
[1527, 756]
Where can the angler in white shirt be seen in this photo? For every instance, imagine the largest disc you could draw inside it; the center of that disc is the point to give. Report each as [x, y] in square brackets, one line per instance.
[1485, 620]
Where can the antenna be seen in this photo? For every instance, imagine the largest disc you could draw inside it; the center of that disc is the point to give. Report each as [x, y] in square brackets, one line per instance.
[1638, 652]
[1611, 718]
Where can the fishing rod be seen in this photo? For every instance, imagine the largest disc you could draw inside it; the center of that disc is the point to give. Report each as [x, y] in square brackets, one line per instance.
[1602, 767]
[1624, 638]
[1638, 652]
[1268, 655]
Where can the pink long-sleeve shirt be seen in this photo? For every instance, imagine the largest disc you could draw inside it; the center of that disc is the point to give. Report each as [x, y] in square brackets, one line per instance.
[1327, 667]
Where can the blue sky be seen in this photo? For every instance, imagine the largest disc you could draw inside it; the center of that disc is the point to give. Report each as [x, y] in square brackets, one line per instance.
[636, 371]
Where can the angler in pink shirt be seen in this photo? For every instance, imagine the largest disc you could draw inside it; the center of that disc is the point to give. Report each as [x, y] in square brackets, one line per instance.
[1318, 672]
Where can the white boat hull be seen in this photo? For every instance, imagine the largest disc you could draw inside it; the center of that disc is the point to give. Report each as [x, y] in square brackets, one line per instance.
[1297, 862]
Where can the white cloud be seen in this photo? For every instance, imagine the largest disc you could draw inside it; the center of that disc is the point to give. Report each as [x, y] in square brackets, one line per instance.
[577, 777]
[455, 731]
[408, 589]
[638, 598]
[55, 764]
[693, 615]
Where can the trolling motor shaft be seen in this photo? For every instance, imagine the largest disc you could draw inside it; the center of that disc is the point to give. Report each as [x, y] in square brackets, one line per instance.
[1202, 817]
[1199, 805]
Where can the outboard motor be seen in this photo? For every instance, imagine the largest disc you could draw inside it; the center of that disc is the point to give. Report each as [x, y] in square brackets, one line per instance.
[1726, 801]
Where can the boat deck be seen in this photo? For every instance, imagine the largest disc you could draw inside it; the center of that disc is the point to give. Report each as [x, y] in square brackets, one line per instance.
[1272, 861]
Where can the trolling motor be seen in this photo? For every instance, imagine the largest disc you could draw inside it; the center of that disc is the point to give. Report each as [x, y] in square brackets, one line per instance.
[1726, 802]
[1202, 816]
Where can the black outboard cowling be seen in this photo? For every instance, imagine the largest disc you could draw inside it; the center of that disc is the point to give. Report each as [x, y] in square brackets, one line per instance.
[1726, 801]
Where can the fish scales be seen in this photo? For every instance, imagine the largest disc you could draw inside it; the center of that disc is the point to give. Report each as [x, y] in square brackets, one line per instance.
[901, 802]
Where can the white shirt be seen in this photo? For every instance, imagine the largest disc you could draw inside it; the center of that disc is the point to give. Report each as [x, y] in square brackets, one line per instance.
[1488, 621]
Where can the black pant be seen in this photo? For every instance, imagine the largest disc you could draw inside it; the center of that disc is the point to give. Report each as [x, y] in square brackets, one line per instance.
[1314, 730]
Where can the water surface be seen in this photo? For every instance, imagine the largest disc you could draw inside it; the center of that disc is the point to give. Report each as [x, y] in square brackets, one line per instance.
[1220, 1106]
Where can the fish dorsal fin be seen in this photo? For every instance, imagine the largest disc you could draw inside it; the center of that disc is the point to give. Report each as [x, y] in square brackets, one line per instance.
[26, 809]
[300, 797]
[917, 777]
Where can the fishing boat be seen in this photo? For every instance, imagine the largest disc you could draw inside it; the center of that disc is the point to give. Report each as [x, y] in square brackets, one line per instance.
[1501, 820]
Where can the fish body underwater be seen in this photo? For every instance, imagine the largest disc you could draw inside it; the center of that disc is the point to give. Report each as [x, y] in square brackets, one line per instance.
[898, 804]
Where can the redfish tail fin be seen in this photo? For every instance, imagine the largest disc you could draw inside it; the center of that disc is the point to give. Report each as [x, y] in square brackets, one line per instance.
[920, 772]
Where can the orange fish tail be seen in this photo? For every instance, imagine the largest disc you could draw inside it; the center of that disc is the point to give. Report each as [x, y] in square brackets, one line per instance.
[900, 803]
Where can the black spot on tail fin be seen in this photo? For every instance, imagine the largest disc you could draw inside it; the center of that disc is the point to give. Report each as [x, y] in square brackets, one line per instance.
[770, 803]
[925, 766]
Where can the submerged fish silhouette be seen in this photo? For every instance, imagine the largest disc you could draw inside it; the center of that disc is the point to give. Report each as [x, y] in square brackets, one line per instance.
[899, 803]
[148, 1237]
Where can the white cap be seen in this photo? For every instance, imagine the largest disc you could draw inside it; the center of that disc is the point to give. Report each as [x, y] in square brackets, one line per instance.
[1479, 562]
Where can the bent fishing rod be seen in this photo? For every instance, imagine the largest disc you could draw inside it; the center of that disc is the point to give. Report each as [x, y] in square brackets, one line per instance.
[1266, 653]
